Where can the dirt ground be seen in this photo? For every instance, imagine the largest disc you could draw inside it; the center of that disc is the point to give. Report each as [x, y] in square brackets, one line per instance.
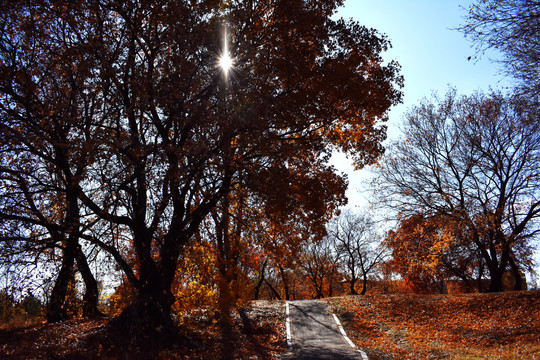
[258, 333]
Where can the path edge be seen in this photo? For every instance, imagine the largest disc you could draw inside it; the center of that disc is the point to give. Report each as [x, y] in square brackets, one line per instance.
[288, 325]
[344, 334]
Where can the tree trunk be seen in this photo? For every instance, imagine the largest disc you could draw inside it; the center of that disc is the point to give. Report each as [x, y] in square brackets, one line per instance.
[227, 340]
[496, 270]
[226, 298]
[352, 284]
[285, 282]
[260, 282]
[495, 283]
[364, 285]
[518, 285]
[274, 291]
[147, 322]
[226, 266]
[319, 289]
[91, 295]
[331, 282]
[56, 310]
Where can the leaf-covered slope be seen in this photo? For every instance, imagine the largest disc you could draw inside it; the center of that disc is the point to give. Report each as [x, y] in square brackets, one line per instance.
[471, 326]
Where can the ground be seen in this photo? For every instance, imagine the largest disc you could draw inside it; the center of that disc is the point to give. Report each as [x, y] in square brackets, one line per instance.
[469, 326]
[390, 327]
[259, 333]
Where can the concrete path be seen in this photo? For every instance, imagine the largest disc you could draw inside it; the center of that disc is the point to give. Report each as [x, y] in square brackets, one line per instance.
[315, 334]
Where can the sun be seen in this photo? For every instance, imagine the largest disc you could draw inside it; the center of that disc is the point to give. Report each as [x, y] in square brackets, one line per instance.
[225, 61]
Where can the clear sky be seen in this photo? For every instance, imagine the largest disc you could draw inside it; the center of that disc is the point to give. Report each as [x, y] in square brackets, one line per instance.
[432, 55]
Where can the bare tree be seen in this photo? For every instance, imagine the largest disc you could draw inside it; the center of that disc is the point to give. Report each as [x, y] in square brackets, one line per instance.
[358, 246]
[320, 264]
[473, 160]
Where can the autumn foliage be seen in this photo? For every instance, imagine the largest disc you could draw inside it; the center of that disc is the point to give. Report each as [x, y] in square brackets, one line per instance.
[417, 247]
[259, 333]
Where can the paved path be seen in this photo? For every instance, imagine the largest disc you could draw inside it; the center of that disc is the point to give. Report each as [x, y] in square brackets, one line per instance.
[315, 334]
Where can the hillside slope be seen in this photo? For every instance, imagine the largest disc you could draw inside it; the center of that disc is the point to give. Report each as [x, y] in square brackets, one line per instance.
[468, 326]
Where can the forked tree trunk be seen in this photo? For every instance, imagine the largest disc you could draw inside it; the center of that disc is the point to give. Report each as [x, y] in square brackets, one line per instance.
[147, 321]
[56, 309]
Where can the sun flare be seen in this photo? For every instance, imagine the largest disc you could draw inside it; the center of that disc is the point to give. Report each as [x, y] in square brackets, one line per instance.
[225, 61]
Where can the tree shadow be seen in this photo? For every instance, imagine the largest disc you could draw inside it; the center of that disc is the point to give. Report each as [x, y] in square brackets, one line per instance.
[253, 333]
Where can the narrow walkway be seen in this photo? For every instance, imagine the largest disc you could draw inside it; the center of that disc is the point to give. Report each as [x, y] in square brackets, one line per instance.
[315, 334]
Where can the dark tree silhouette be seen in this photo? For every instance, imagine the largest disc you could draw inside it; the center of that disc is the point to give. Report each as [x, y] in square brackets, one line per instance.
[150, 135]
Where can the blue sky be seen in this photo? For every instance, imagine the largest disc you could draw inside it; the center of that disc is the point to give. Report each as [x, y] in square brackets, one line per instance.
[431, 54]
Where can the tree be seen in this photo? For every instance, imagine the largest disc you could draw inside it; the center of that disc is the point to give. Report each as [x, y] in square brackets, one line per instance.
[241, 228]
[166, 135]
[45, 149]
[320, 264]
[472, 164]
[429, 249]
[513, 27]
[356, 243]
[418, 246]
